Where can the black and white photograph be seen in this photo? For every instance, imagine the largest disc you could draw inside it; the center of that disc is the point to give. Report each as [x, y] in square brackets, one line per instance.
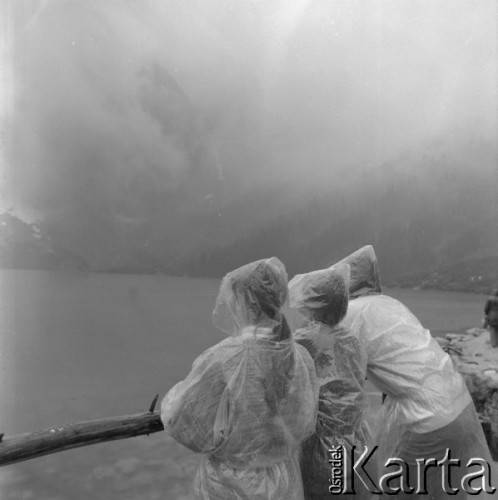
[248, 249]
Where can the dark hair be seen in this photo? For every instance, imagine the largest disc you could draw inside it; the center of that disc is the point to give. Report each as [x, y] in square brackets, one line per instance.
[335, 305]
[327, 301]
[262, 289]
[282, 331]
[282, 369]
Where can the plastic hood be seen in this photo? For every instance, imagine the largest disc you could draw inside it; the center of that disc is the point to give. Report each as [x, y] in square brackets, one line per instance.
[250, 299]
[364, 272]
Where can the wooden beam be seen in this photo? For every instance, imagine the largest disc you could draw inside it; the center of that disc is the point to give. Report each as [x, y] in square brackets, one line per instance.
[36, 444]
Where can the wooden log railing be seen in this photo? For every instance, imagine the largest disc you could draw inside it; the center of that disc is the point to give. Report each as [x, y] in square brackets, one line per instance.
[36, 444]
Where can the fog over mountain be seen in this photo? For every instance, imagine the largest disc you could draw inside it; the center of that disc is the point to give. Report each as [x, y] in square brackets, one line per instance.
[182, 136]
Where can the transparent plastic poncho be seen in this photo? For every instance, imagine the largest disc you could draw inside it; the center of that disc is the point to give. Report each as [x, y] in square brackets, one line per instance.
[428, 408]
[251, 400]
[321, 297]
[364, 276]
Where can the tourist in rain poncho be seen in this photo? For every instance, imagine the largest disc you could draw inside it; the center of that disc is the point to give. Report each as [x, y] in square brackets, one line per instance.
[491, 317]
[250, 400]
[428, 408]
[321, 297]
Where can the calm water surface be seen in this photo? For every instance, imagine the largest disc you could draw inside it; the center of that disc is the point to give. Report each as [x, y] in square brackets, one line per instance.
[79, 346]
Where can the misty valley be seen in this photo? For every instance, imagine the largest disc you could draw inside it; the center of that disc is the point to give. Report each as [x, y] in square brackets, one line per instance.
[432, 221]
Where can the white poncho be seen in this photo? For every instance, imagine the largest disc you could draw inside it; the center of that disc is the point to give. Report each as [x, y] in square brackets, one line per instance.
[251, 400]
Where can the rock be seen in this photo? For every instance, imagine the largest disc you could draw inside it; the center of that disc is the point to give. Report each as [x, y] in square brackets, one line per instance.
[459, 337]
[491, 377]
[442, 341]
[477, 361]
[476, 332]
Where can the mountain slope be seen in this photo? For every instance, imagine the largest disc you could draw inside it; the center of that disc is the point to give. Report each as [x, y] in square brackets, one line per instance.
[429, 217]
[432, 218]
[24, 245]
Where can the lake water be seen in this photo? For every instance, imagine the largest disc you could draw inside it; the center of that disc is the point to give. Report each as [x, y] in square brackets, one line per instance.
[80, 346]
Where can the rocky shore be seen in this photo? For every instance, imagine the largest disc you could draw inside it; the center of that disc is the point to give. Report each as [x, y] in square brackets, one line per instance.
[477, 361]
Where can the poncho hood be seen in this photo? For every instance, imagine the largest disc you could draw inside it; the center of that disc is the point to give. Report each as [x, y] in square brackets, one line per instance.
[252, 296]
[364, 272]
[321, 295]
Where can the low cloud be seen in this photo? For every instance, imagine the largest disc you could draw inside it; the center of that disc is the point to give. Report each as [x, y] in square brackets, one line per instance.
[118, 104]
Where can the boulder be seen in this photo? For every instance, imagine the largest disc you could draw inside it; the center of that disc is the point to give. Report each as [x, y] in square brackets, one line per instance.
[477, 361]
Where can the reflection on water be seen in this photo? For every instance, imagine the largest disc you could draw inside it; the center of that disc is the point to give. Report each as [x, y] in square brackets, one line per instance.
[79, 346]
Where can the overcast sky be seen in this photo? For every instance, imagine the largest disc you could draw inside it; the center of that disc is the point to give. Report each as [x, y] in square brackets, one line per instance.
[98, 91]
